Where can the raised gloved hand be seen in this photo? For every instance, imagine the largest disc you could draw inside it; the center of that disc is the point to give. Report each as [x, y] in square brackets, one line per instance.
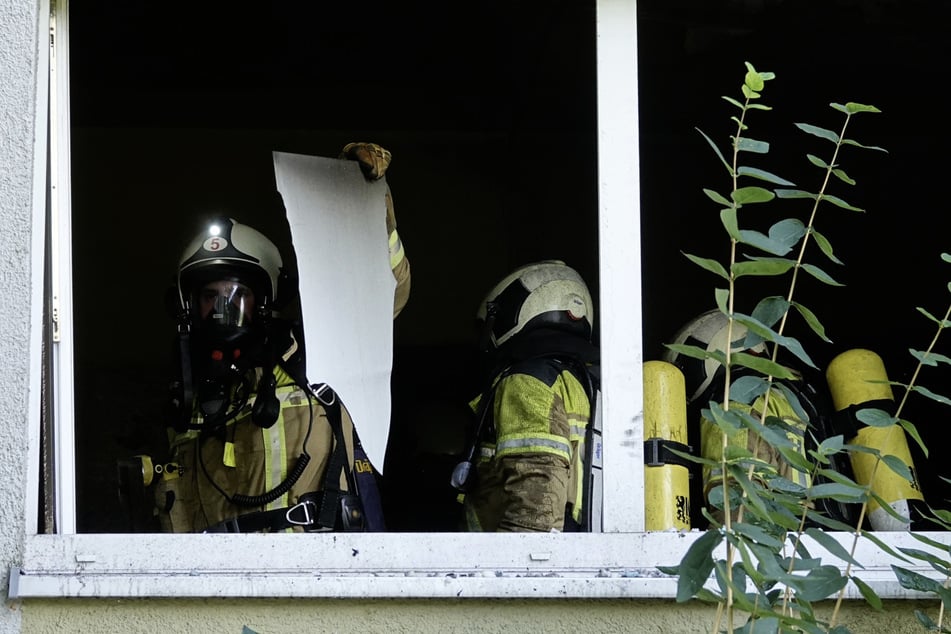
[372, 158]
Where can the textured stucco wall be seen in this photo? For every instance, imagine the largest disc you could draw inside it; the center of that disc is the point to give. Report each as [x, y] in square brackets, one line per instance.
[413, 617]
[18, 55]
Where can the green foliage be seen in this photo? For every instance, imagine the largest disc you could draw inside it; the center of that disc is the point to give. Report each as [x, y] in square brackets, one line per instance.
[754, 559]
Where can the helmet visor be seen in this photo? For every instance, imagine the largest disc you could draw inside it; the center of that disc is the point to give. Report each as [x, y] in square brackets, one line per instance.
[223, 303]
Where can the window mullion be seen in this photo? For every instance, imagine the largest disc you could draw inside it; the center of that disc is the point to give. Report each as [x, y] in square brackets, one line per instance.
[620, 270]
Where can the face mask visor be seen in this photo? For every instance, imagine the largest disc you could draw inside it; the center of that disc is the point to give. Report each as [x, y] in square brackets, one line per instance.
[223, 304]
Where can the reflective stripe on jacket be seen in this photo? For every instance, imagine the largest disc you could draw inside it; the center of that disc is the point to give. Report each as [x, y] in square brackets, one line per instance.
[246, 459]
[398, 260]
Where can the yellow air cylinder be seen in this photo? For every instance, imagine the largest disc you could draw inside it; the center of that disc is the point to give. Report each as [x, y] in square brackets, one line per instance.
[666, 484]
[850, 377]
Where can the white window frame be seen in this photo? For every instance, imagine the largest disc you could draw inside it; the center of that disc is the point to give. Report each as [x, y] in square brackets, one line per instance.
[619, 562]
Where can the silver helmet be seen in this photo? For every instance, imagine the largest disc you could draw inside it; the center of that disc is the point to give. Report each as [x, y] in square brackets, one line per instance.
[547, 294]
[708, 331]
[233, 255]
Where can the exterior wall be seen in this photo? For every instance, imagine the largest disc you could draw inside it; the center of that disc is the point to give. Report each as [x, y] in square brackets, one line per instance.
[19, 51]
[18, 67]
[396, 616]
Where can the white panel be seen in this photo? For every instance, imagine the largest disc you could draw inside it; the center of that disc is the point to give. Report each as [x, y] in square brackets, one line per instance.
[338, 223]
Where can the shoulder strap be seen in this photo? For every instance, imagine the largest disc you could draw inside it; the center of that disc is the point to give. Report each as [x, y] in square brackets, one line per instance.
[590, 379]
[463, 475]
[336, 503]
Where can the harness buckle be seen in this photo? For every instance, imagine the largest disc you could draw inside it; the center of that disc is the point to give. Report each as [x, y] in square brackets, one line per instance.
[302, 508]
[653, 452]
[324, 393]
[230, 525]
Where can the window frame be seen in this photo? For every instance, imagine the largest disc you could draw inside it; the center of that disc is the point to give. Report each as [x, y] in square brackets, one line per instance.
[620, 562]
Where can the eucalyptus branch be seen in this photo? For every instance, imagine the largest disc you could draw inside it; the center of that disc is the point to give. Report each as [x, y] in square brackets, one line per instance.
[781, 329]
[740, 127]
[762, 553]
[775, 347]
[909, 388]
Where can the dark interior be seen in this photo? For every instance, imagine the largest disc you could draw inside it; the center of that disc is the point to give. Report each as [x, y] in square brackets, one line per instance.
[490, 114]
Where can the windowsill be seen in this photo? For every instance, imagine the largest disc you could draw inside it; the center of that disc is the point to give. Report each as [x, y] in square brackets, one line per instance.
[389, 565]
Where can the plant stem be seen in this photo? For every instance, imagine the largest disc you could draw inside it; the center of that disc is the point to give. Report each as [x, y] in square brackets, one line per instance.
[878, 460]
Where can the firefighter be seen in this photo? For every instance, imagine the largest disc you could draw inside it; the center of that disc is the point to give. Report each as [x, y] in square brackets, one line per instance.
[525, 468]
[805, 421]
[253, 446]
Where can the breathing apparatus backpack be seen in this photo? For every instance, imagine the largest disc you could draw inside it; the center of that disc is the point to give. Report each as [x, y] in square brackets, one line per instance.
[793, 399]
[857, 381]
[666, 472]
[464, 476]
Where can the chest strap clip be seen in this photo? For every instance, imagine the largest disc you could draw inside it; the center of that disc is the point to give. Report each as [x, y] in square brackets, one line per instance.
[302, 514]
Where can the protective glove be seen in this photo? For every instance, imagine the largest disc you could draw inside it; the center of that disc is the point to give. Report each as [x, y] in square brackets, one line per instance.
[372, 158]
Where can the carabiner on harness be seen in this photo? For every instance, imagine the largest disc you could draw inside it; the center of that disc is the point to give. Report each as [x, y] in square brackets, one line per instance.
[304, 513]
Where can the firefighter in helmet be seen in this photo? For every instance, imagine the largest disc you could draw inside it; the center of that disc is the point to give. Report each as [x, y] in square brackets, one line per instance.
[800, 408]
[253, 446]
[524, 470]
